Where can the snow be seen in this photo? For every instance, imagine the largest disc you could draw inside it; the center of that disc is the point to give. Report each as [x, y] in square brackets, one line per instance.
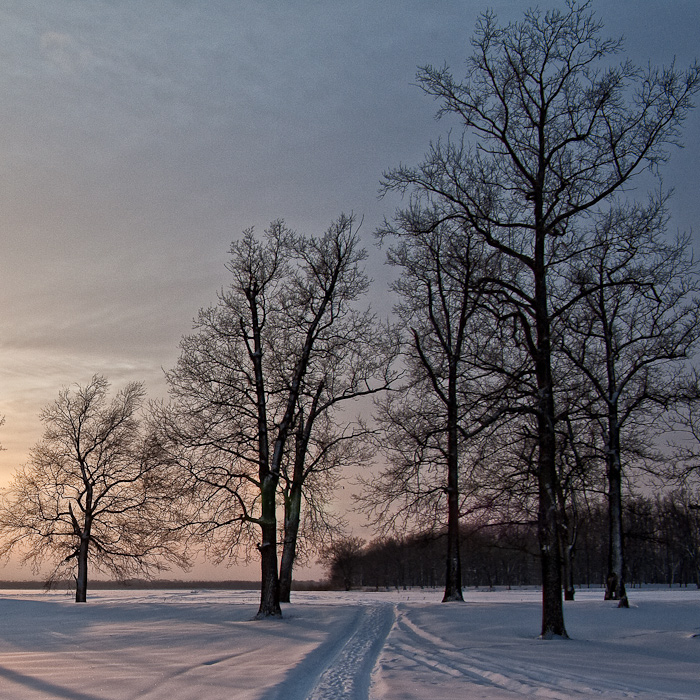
[205, 645]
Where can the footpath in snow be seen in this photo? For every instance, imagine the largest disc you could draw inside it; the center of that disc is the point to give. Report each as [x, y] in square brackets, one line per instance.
[205, 645]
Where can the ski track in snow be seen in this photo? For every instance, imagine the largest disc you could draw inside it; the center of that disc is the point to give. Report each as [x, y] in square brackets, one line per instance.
[349, 676]
[482, 667]
[342, 667]
[439, 668]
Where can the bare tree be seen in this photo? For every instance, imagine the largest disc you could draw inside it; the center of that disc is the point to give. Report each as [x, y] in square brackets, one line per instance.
[352, 361]
[555, 130]
[94, 490]
[285, 345]
[636, 327]
[431, 423]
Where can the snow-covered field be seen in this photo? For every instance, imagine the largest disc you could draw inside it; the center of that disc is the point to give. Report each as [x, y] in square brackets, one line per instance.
[204, 645]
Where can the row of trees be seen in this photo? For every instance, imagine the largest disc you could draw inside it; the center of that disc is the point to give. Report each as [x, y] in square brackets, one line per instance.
[543, 323]
[662, 535]
[548, 318]
[255, 429]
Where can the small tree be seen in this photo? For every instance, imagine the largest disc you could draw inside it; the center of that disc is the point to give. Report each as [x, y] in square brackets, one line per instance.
[94, 491]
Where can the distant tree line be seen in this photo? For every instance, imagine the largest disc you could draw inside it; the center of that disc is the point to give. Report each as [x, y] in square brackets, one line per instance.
[662, 535]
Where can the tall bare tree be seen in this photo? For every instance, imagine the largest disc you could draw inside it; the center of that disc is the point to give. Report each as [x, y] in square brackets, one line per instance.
[95, 490]
[550, 131]
[285, 344]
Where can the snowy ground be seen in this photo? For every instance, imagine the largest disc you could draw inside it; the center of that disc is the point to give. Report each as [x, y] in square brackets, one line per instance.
[204, 645]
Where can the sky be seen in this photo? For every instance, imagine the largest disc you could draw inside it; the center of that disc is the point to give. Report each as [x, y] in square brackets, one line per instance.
[138, 139]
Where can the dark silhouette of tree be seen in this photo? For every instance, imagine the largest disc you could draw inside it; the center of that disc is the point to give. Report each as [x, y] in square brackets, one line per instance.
[342, 559]
[431, 423]
[551, 130]
[284, 347]
[95, 491]
[635, 329]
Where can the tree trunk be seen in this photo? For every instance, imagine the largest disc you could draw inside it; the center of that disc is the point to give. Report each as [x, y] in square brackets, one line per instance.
[615, 583]
[547, 476]
[82, 577]
[453, 573]
[269, 583]
[547, 530]
[292, 518]
[292, 503]
[567, 534]
[569, 590]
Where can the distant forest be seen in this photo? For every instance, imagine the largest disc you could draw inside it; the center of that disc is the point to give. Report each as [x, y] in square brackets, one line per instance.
[662, 535]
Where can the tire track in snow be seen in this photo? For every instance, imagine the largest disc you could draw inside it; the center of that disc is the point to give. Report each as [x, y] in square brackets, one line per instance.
[341, 668]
